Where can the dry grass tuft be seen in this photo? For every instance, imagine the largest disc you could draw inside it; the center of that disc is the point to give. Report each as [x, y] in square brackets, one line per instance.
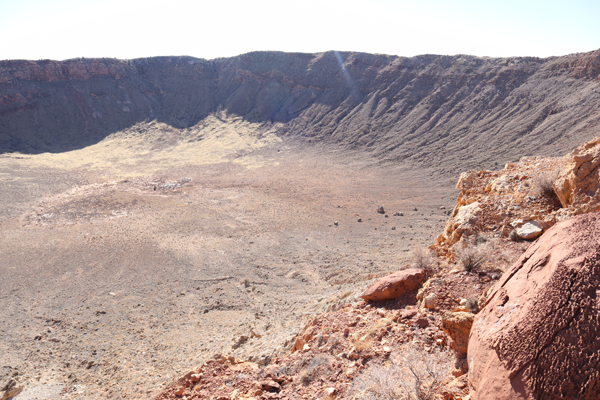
[543, 184]
[310, 373]
[418, 375]
[472, 257]
[421, 257]
[473, 305]
[363, 343]
[514, 236]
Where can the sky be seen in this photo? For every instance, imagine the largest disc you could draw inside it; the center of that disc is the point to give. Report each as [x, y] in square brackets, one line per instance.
[63, 29]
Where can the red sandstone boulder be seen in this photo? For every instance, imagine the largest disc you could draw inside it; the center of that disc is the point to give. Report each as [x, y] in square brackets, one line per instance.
[395, 285]
[537, 336]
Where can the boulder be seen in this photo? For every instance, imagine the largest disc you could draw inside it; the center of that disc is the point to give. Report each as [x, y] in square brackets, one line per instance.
[457, 325]
[395, 285]
[269, 385]
[578, 183]
[529, 230]
[536, 336]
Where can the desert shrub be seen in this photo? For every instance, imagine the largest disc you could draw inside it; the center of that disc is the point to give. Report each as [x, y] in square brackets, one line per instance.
[480, 240]
[305, 376]
[310, 373]
[421, 257]
[472, 257]
[543, 185]
[416, 375]
[317, 361]
[473, 305]
[285, 370]
[321, 340]
[363, 342]
[514, 236]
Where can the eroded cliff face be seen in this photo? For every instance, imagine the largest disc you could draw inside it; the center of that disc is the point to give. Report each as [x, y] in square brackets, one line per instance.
[453, 111]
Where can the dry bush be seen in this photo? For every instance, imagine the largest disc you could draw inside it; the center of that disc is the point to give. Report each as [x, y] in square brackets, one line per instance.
[507, 258]
[421, 257]
[310, 373]
[417, 375]
[362, 343]
[472, 257]
[514, 236]
[286, 370]
[317, 361]
[473, 305]
[543, 184]
[480, 239]
[305, 376]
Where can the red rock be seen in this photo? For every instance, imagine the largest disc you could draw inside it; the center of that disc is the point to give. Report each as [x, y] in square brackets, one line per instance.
[537, 335]
[270, 385]
[180, 391]
[407, 314]
[394, 285]
[421, 322]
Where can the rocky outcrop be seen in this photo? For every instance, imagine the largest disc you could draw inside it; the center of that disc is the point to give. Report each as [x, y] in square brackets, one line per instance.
[537, 335]
[395, 285]
[578, 184]
[462, 221]
[457, 325]
[506, 202]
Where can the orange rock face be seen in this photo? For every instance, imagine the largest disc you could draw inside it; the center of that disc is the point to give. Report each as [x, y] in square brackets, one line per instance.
[537, 335]
[395, 285]
[578, 184]
[458, 326]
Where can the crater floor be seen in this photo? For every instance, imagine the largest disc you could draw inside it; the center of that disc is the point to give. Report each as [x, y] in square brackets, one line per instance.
[120, 272]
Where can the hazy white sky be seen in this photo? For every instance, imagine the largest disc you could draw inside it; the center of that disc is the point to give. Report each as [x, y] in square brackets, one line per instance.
[61, 29]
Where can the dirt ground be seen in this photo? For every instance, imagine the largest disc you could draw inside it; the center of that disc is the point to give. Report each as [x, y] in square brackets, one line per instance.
[119, 273]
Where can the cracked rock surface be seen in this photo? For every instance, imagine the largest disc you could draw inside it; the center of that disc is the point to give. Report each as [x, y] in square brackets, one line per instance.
[536, 336]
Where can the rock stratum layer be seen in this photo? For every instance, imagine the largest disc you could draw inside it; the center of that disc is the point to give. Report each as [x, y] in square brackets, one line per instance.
[453, 111]
[536, 336]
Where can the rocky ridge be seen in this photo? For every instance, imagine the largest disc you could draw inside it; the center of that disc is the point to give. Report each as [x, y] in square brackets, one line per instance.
[456, 112]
